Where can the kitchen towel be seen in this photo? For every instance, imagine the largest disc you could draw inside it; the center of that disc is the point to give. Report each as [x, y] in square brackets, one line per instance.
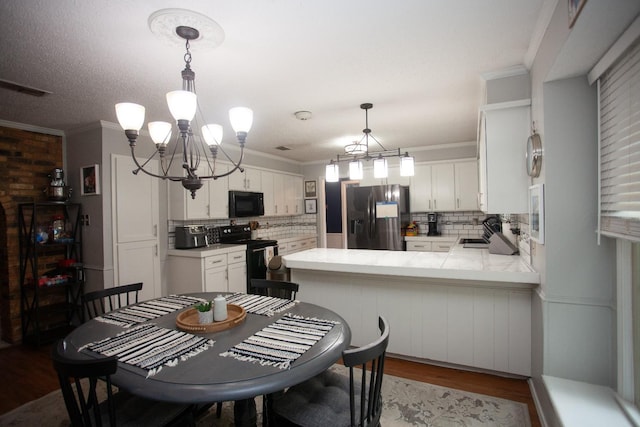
[150, 347]
[282, 342]
[268, 254]
[260, 304]
[147, 310]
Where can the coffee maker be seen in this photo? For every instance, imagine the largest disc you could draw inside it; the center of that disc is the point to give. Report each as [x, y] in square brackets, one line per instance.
[432, 223]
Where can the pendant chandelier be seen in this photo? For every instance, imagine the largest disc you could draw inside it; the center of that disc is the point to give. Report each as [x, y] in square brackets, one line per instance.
[189, 148]
[359, 151]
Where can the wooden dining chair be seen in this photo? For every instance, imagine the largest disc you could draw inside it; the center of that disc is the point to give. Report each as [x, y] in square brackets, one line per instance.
[332, 399]
[105, 300]
[80, 382]
[274, 288]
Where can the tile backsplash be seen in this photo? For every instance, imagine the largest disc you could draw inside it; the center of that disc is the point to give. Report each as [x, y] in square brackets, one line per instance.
[269, 228]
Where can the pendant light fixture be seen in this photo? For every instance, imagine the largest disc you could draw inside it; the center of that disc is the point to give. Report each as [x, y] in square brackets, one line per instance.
[358, 152]
[190, 148]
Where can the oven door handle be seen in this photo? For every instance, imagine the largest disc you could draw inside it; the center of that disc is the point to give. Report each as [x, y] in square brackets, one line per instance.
[262, 249]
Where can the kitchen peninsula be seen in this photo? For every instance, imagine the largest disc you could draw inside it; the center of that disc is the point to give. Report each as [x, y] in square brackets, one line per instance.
[466, 307]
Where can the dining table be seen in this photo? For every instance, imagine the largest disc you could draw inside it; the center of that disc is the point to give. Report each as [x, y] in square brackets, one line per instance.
[225, 366]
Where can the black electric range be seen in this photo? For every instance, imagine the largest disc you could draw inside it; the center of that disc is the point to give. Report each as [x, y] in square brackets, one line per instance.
[259, 251]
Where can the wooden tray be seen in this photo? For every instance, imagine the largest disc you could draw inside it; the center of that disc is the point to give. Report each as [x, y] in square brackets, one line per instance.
[188, 320]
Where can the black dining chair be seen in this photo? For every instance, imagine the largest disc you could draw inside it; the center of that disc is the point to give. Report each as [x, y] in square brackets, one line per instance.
[80, 382]
[332, 399]
[274, 288]
[105, 300]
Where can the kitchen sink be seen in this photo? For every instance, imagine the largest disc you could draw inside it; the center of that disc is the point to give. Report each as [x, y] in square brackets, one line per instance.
[477, 243]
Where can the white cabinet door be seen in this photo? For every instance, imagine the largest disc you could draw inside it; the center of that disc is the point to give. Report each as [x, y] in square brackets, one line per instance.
[294, 194]
[279, 194]
[443, 187]
[249, 180]
[135, 206]
[237, 274]
[135, 201]
[505, 129]
[139, 262]
[420, 189]
[218, 200]
[215, 279]
[466, 181]
[269, 195]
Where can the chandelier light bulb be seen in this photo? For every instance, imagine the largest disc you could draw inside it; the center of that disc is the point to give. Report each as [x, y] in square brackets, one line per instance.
[332, 173]
[182, 104]
[130, 115]
[241, 119]
[407, 166]
[212, 134]
[356, 170]
[380, 168]
[160, 132]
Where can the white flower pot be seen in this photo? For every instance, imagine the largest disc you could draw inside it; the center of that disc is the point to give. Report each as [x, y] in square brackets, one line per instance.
[205, 316]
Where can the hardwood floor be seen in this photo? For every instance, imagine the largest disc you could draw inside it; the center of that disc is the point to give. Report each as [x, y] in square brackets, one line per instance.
[27, 374]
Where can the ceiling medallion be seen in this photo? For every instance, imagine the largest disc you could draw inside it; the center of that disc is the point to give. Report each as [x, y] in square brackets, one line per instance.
[164, 22]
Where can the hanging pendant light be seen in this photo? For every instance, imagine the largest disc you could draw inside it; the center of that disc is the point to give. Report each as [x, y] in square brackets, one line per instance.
[359, 151]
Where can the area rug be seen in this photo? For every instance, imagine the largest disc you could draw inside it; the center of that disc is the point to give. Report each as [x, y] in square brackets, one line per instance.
[406, 403]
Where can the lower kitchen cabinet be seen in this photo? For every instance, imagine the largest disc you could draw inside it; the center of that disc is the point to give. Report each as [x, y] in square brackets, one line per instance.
[430, 244]
[237, 271]
[207, 270]
[296, 244]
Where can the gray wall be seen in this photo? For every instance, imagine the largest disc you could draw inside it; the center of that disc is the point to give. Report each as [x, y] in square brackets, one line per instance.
[573, 318]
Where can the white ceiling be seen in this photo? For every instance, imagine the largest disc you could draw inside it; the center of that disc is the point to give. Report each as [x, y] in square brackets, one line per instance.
[418, 61]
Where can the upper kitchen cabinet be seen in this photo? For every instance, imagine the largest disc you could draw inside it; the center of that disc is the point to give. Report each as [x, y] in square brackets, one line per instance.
[249, 180]
[432, 188]
[503, 132]
[283, 194]
[211, 200]
[466, 185]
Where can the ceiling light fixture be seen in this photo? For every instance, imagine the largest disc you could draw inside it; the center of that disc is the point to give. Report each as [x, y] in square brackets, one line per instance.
[189, 147]
[358, 151]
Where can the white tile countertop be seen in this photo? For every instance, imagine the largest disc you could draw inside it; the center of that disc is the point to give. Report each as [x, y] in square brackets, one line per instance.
[459, 264]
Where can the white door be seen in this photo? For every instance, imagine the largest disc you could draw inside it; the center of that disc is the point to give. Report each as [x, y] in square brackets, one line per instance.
[135, 206]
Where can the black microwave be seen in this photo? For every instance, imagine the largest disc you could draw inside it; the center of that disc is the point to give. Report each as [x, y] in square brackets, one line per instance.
[245, 203]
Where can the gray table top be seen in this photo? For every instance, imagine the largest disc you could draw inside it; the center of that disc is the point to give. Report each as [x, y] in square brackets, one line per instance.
[208, 377]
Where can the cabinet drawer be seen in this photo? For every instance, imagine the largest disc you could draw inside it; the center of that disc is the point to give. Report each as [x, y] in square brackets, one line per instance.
[440, 247]
[215, 261]
[283, 248]
[236, 257]
[419, 246]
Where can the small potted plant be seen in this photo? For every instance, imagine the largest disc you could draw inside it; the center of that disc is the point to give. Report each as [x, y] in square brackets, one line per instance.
[205, 313]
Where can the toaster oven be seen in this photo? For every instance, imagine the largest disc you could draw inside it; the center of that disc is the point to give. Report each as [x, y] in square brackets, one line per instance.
[191, 236]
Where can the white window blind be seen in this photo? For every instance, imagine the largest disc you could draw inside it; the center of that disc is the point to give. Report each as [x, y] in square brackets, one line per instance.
[620, 146]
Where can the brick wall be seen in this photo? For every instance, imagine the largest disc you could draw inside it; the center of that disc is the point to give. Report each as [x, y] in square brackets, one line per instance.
[26, 160]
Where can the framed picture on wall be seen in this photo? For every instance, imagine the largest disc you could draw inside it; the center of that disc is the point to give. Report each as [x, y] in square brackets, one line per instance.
[90, 180]
[536, 212]
[311, 206]
[310, 189]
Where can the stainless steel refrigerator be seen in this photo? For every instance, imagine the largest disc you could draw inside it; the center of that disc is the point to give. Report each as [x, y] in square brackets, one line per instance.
[376, 215]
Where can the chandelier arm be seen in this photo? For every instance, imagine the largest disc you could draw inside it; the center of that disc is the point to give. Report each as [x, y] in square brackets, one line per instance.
[141, 168]
[235, 168]
[378, 142]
